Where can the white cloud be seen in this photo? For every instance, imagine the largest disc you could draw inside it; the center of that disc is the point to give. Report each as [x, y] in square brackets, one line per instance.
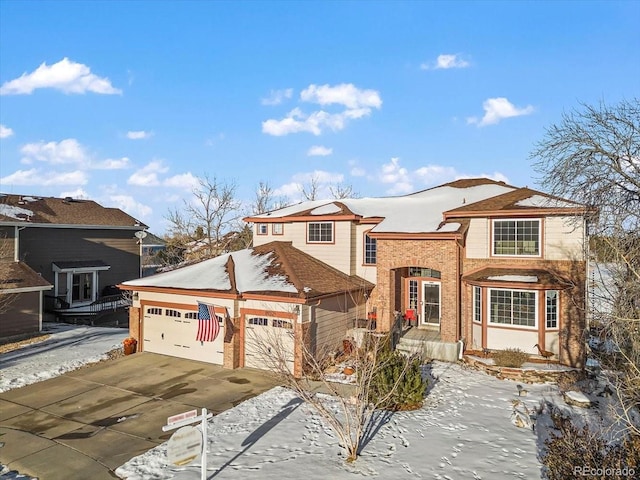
[147, 176]
[128, 204]
[138, 135]
[358, 103]
[184, 180]
[319, 151]
[78, 193]
[5, 132]
[495, 109]
[357, 172]
[403, 181]
[276, 97]
[113, 164]
[36, 176]
[446, 61]
[56, 153]
[66, 76]
[346, 94]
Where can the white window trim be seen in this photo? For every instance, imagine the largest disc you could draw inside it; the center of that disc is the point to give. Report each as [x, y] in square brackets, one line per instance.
[364, 253]
[478, 289]
[511, 325]
[546, 311]
[333, 233]
[493, 237]
[273, 229]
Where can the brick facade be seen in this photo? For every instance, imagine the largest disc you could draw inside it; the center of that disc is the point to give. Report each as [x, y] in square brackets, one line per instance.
[441, 255]
[134, 326]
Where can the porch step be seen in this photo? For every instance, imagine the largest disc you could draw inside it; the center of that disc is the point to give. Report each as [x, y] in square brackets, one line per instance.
[429, 349]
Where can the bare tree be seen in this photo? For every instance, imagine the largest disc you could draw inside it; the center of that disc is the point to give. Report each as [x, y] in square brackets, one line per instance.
[593, 156]
[353, 410]
[340, 191]
[203, 225]
[311, 190]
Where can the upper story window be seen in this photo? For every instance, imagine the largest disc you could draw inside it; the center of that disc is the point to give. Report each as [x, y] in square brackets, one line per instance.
[277, 228]
[320, 232]
[369, 250]
[263, 229]
[516, 237]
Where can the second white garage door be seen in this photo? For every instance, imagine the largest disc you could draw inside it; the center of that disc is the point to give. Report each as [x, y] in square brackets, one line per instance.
[267, 339]
[173, 332]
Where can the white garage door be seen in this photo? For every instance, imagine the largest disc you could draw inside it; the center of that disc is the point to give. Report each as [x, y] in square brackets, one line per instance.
[266, 341]
[173, 332]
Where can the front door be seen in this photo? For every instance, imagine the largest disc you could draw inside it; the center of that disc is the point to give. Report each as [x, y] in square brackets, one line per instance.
[431, 303]
[82, 287]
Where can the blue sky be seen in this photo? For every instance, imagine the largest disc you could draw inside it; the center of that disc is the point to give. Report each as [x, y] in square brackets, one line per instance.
[127, 103]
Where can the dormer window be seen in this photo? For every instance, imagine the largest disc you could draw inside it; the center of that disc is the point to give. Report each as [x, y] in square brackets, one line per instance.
[320, 232]
[516, 237]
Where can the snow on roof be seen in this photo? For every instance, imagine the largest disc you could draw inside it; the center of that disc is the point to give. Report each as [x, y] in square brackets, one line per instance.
[515, 278]
[542, 201]
[326, 209]
[250, 271]
[419, 212]
[14, 212]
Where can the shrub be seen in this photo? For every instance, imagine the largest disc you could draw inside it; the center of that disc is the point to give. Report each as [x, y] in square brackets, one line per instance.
[581, 448]
[510, 357]
[395, 370]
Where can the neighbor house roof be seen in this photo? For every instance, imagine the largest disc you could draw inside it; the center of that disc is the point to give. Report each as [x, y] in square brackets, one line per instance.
[48, 211]
[16, 277]
[420, 212]
[275, 268]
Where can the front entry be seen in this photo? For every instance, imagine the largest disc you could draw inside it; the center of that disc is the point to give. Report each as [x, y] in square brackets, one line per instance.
[430, 304]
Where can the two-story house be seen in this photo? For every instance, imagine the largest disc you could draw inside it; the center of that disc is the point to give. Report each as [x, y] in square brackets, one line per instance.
[479, 263]
[80, 247]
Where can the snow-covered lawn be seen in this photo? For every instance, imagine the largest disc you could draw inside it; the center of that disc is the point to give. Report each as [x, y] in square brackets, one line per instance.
[67, 348]
[466, 429]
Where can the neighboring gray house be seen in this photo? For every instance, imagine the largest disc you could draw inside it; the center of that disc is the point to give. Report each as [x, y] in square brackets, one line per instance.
[152, 246]
[80, 247]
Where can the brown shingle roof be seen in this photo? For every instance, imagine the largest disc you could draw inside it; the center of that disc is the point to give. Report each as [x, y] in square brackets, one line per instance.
[61, 211]
[17, 275]
[311, 277]
[544, 278]
[508, 202]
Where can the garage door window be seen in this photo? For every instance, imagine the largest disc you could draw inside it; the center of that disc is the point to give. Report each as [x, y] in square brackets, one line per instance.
[282, 323]
[154, 311]
[191, 315]
[263, 322]
[172, 313]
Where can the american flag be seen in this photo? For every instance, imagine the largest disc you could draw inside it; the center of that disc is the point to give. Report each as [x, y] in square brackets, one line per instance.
[208, 326]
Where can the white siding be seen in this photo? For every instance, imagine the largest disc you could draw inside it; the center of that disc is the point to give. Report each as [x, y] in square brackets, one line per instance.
[477, 337]
[563, 238]
[478, 238]
[501, 338]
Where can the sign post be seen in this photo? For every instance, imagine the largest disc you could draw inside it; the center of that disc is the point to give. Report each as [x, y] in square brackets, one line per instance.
[184, 446]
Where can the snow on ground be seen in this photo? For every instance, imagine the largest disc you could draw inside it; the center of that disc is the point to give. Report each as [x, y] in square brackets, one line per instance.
[68, 348]
[466, 429]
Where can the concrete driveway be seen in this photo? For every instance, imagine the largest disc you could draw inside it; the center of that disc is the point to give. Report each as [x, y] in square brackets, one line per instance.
[88, 422]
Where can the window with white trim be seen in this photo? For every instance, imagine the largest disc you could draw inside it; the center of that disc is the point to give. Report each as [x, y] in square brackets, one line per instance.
[512, 307]
[320, 232]
[370, 250]
[277, 228]
[552, 308]
[477, 304]
[261, 321]
[263, 229]
[516, 237]
[282, 323]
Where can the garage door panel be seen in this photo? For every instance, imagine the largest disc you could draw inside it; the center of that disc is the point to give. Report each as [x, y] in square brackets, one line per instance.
[262, 339]
[176, 336]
